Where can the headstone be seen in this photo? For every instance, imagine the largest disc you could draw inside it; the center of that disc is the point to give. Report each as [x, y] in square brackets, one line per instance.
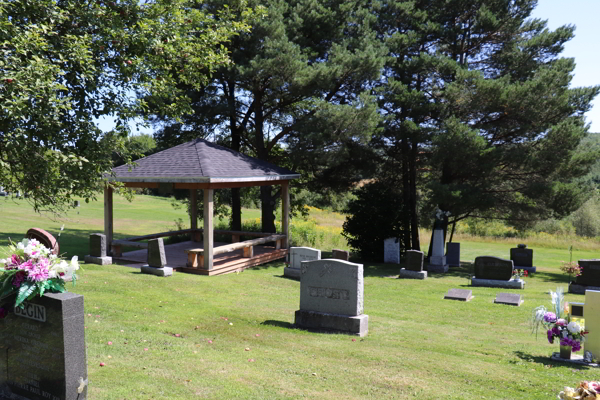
[414, 260]
[511, 299]
[76, 203]
[522, 258]
[459, 294]
[297, 255]
[592, 322]
[43, 349]
[494, 268]
[157, 260]
[590, 273]
[437, 260]
[331, 297]
[98, 248]
[340, 254]
[2, 192]
[391, 251]
[453, 254]
[414, 266]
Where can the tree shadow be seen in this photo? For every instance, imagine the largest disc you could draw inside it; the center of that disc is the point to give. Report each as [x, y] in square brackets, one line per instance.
[552, 277]
[549, 361]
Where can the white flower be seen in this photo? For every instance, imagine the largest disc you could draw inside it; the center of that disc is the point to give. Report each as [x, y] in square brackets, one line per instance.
[574, 327]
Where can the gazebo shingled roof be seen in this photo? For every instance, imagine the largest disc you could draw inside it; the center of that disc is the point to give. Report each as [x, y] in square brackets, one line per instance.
[200, 161]
[200, 164]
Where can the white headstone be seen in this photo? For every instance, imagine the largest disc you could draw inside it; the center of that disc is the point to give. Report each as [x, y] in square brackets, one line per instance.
[391, 251]
[437, 260]
[297, 255]
[591, 314]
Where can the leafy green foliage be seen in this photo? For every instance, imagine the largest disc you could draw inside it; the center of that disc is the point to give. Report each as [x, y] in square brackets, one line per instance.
[64, 63]
[366, 227]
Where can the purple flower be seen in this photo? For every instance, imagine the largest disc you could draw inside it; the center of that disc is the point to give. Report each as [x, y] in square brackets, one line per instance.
[550, 336]
[18, 279]
[15, 260]
[550, 317]
[3, 312]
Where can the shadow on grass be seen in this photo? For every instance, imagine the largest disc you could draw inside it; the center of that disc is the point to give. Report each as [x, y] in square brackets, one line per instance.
[552, 277]
[548, 361]
[279, 324]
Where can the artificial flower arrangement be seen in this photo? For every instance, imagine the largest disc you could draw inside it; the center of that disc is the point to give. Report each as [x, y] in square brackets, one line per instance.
[568, 332]
[585, 391]
[520, 273]
[32, 269]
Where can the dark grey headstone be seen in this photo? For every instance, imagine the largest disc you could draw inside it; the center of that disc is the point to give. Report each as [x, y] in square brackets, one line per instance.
[521, 257]
[590, 274]
[76, 203]
[340, 254]
[414, 260]
[156, 253]
[97, 245]
[42, 349]
[494, 268]
[511, 299]
[453, 254]
[459, 294]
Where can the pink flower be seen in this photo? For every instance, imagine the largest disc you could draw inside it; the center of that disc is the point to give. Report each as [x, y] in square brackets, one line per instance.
[561, 322]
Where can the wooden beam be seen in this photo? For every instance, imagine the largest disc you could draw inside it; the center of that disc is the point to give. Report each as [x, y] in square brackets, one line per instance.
[285, 212]
[108, 216]
[208, 229]
[159, 235]
[149, 185]
[193, 211]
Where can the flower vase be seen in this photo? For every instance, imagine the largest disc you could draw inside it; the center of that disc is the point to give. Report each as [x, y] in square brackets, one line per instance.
[565, 352]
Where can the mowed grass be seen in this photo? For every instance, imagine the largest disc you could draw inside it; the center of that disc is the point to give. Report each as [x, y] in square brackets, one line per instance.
[237, 338]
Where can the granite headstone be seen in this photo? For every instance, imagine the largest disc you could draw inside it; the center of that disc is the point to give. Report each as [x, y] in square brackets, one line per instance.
[453, 254]
[590, 273]
[414, 260]
[391, 251]
[592, 322]
[343, 255]
[98, 247]
[43, 349]
[297, 255]
[522, 258]
[437, 260]
[494, 268]
[157, 260]
[331, 297]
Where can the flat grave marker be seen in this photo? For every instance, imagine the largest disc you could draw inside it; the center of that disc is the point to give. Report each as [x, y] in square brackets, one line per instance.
[511, 299]
[459, 294]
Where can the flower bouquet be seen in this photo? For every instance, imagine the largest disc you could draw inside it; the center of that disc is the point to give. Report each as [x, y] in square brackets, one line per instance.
[520, 273]
[569, 333]
[32, 269]
[585, 391]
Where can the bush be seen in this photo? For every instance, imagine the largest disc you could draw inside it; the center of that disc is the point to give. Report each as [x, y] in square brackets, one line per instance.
[376, 214]
[587, 218]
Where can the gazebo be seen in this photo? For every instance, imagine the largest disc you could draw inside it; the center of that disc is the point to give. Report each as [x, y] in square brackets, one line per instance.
[194, 165]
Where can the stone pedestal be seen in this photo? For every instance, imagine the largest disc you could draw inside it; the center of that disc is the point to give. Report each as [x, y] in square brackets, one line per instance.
[157, 259]
[98, 260]
[356, 325]
[510, 284]
[437, 259]
[98, 248]
[162, 271]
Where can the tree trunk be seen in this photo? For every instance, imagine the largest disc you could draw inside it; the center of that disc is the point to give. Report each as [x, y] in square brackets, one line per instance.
[236, 141]
[267, 211]
[414, 214]
[406, 231]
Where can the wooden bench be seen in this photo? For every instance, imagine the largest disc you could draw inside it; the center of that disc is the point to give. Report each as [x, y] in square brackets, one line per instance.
[117, 244]
[196, 256]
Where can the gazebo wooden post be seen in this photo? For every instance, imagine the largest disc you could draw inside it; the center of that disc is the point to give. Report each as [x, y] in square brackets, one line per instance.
[193, 212]
[108, 217]
[208, 229]
[285, 212]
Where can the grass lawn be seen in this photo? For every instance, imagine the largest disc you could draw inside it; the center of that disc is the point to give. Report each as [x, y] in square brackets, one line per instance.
[237, 340]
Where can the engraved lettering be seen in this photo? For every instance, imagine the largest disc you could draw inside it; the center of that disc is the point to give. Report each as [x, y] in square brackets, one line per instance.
[32, 311]
[330, 293]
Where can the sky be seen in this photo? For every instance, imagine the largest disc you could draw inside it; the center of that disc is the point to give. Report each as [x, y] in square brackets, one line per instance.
[585, 47]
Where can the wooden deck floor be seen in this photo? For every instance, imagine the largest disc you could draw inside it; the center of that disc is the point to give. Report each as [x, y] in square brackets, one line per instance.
[222, 263]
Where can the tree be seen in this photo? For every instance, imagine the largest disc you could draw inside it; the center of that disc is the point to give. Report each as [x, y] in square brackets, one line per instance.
[297, 93]
[479, 109]
[65, 63]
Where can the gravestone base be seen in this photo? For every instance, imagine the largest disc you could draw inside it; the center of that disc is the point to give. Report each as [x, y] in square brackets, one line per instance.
[98, 260]
[437, 268]
[530, 270]
[405, 273]
[511, 284]
[580, 289]
[293, 273]
[358, 325]
[162, 271]
[576, 359]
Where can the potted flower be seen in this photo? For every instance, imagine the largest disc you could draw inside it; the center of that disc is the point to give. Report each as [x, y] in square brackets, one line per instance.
[569, 334]
[571, 268]
[32, 269]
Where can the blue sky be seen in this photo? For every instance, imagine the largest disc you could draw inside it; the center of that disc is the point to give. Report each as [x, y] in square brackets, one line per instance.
[584, 47]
